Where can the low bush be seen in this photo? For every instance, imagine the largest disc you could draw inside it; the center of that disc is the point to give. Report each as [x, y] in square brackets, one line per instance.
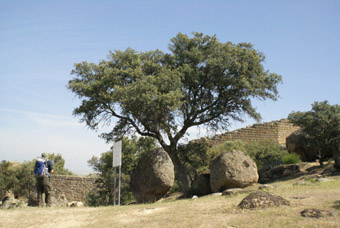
[292, 158]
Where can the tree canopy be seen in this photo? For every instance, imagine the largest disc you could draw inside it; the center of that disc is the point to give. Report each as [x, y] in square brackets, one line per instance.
[322, 126]
[200, 82]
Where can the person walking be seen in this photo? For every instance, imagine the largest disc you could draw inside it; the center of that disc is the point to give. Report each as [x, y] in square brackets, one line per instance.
[43, 169]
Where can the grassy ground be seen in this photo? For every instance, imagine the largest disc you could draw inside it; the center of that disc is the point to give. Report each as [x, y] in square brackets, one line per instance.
[208, 211]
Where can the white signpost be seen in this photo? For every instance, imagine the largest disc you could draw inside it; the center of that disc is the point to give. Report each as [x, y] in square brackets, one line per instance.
[116, 162]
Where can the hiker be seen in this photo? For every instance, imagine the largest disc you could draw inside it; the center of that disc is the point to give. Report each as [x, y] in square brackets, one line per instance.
[42, 170]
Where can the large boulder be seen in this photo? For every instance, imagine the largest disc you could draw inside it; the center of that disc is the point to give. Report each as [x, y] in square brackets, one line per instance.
[153, 177]
[233, 169]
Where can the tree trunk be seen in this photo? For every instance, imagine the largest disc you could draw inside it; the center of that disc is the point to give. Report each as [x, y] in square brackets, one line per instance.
[181, 172]
[336, 157]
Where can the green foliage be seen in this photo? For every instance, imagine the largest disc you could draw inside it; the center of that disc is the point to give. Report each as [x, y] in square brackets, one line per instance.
[292, 158]
[17, 177]
[321, 125]
[132, 149]
[58, 164]
[20, 178]
[202, 81]
[265, 153]
[217, 150]
[194, 157]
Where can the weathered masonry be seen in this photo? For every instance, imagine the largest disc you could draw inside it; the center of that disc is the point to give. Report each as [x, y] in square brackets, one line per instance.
[73, 187]
[276, 131]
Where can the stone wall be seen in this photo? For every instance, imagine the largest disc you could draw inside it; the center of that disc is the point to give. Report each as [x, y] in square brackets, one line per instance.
[74, 188]
[276, 131]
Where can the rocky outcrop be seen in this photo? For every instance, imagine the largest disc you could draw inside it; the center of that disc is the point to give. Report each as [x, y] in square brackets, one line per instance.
[279, 172]
[260, 199]
[153, 177]
[232, 169]
[8, 201]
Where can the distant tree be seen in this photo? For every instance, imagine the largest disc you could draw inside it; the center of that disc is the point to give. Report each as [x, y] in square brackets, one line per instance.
[202, 82]
[26, 179]
[133, 148]
[322, 126]
[17, 177]
[5, 175]
[58, 164]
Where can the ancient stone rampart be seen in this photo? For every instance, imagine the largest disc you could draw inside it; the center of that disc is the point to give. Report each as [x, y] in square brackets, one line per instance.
[276, 131]
[73, 187]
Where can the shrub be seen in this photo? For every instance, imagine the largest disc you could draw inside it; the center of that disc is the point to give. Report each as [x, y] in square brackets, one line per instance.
[292, 158]
[266, 153]
[194, 156]
[217, 150]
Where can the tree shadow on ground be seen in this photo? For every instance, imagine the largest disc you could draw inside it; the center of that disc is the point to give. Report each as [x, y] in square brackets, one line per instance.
[336, 205]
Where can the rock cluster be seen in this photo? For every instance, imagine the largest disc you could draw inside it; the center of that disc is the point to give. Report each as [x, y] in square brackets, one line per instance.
[8, 201]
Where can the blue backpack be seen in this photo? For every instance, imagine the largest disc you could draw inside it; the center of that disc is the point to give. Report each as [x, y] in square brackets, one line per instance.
[40, 168]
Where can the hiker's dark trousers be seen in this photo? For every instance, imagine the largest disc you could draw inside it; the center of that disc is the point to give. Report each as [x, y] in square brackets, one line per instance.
[44, 186]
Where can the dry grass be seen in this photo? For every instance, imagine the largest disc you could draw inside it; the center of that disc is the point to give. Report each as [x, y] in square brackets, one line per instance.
[209, 211]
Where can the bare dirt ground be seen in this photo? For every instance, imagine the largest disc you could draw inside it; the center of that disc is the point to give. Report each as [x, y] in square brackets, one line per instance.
[205, 212]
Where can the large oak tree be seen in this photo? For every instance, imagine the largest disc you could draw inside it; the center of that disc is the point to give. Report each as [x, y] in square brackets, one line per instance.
[201, 81]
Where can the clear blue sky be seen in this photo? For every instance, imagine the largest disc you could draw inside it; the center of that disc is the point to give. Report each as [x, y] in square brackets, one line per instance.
[40, 41]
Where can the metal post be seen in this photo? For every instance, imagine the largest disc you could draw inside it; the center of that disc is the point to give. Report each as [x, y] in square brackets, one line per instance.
[114, 187]
[120, 170]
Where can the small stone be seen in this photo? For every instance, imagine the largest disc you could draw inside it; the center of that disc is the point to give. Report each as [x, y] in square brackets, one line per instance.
[315, 213]
[232, 191]
[216, 194]
[322, 180]
[75, 204]
[266, 186]
[194, 197]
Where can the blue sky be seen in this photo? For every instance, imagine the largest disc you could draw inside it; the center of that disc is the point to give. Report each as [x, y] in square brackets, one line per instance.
[41, 40]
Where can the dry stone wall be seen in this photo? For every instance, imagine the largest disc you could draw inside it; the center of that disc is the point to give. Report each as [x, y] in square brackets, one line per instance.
[276, 131]
[73, 187]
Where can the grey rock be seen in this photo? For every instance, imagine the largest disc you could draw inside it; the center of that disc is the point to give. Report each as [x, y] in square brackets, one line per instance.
[232, 191]
[153, 177]
[315, 213]
[232, 169]
[261, 199]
